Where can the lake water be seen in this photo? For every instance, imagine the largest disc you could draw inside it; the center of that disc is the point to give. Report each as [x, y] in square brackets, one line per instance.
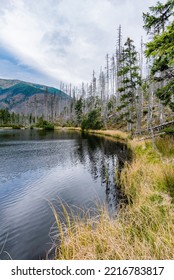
[38, 167]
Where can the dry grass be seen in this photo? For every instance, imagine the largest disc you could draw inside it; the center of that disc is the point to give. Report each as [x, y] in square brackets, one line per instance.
[143, 229]
[67, 128]
[113, 133]
[165, 145]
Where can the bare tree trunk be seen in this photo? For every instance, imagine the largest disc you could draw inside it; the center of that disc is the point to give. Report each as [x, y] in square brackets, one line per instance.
[139, 108]
[161, 107]
[118, 63]
[94, 85]
[150, 114]
[35, 108]
[46, 103]
[150, 106]
[161, 112]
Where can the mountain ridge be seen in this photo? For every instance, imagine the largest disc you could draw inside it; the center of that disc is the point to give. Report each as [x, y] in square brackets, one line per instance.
[23, 97]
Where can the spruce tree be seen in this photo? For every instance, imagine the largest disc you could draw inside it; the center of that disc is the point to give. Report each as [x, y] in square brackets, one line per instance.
[161, 49]
[159, 15]
[131, 80]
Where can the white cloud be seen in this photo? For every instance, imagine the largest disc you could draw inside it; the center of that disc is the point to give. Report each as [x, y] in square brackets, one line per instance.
[11, 70]
[67, 39]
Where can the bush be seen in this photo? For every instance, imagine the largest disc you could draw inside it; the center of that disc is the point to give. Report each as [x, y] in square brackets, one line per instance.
[92, 120]
[16, 126]
[44, 124]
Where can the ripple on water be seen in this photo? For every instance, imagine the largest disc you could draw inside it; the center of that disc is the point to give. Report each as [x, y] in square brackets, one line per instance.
[41, 168]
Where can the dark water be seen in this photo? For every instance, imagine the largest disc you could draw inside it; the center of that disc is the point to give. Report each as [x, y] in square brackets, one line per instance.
[37, 167]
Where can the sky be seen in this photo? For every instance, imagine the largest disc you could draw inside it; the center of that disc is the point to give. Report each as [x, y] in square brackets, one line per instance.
[48, 41]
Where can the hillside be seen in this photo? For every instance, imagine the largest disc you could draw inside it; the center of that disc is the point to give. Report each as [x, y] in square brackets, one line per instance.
[23, 97]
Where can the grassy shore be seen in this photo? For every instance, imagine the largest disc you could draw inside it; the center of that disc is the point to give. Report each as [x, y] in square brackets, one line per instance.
[56, 127]
[144, 228]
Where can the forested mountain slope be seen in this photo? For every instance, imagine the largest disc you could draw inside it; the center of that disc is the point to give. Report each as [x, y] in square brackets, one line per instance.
[28, 98]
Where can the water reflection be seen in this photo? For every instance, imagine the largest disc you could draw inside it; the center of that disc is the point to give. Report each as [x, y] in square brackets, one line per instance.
[37, 167]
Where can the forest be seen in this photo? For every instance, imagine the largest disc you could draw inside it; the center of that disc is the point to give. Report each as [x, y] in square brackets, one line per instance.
[134, 90]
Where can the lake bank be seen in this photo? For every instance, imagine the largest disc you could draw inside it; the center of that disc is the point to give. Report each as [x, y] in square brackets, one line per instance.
[143, 229]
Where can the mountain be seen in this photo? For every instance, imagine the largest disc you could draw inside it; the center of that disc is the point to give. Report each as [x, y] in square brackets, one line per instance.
[24, 97]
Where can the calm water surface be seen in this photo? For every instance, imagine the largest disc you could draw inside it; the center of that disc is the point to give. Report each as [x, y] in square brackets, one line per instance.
[37, 167]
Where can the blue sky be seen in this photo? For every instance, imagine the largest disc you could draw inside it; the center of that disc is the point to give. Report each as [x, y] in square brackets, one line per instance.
[48, 41]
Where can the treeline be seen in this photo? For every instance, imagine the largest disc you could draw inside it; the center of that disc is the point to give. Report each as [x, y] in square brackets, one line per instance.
[133, 91]
[16, 120]
[10, 119]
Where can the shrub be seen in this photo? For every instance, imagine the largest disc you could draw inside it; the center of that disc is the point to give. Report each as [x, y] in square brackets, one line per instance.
[44, 124]
[92, 120]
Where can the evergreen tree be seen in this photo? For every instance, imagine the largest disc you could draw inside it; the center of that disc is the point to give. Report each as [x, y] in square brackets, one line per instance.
[157, 18]
[130, 73]
[161, 49]
[79, 110]
[4, 116]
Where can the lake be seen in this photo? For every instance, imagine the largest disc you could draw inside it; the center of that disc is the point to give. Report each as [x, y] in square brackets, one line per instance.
[39, 167]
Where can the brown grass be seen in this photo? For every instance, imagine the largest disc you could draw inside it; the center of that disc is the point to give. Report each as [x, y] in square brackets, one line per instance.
[165, 145]
[67, 128]
[112, 133]
[143, 229]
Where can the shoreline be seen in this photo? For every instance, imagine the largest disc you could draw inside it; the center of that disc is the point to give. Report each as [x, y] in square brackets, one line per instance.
[143, 228]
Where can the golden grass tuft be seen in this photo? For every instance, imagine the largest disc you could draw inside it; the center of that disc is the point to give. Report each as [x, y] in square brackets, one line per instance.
[143, 229]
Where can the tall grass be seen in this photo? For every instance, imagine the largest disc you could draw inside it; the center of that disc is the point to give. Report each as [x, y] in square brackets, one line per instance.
[165, 145]
[143, 229]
